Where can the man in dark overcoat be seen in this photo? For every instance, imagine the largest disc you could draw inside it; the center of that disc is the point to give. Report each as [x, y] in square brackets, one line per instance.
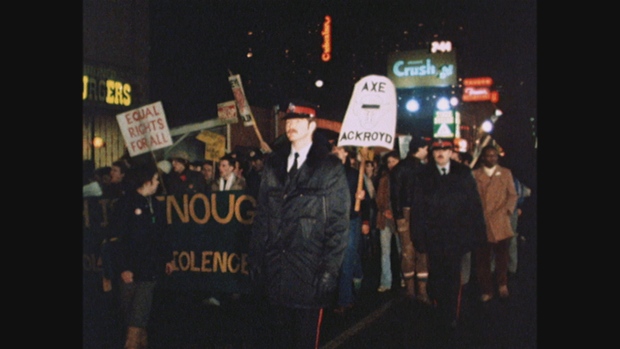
[299, 233]
[446, 222]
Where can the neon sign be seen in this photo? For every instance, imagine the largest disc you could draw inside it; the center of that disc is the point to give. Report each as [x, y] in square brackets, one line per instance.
[327, 39]
[108, 91]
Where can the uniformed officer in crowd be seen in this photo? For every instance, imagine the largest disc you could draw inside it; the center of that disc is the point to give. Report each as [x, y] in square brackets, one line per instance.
[299, 233]
[446, 222]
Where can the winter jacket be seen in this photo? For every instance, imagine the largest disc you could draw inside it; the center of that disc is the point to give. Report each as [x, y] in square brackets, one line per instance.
[299, 233]
[143, 247]
[446, 213]
[187, 182]
[402, 179]
[239, 183]
[383, 200]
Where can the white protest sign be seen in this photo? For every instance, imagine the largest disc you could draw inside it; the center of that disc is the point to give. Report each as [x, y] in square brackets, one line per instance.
[145, 129]
[227, 112]
[370, 119]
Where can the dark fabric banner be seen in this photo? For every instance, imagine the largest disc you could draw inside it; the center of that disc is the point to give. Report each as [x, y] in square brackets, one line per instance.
[209, 236]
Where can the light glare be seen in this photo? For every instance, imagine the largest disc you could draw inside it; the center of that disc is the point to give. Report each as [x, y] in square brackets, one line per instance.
[413, 105]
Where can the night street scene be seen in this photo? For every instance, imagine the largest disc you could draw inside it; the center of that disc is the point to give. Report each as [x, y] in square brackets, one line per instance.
[181, 96]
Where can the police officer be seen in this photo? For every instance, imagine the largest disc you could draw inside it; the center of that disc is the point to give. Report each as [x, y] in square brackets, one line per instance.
[299, 233]
[446, 222]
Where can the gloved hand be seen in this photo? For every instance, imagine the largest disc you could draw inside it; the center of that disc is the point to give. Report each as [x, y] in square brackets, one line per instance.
[326, 285]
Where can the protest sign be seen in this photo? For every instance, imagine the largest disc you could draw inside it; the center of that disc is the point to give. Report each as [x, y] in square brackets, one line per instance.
[215, 144]
[227, 112]
[144, 129]
[242, 103]
[244, 107]
[370, 119]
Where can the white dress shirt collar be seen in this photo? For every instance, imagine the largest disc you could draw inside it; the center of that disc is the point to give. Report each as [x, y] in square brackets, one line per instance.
[447, 167]
[303, 154]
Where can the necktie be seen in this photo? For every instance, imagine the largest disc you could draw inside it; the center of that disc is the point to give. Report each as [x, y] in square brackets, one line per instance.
[293, 169]
[443, 171]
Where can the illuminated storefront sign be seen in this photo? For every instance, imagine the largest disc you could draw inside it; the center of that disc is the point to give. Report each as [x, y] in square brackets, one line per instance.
[483, 81]
[105, 86]
[474, 94]
[441, 46]
[327, 39]
[419, 68]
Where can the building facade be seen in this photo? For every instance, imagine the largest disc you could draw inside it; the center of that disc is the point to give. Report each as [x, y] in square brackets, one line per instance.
[115, 74]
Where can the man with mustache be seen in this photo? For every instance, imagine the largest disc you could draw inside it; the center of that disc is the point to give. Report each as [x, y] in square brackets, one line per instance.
[299, 233]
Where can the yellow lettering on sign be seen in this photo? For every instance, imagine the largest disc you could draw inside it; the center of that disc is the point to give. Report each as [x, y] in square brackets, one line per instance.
[228, 217]
[183, 214]
[206, 260]
[84, 87]
[221, 262]
[192, 211]
[189, 209]
[108, 91]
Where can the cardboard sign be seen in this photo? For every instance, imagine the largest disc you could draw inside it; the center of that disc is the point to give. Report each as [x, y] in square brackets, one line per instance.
[227, 112]
[371, 116]
[215, 144]
[241, 100]
[145, 129]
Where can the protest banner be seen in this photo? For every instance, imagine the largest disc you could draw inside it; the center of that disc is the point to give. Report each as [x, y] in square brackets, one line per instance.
[144, 129]
[370, 120]
[209, 237]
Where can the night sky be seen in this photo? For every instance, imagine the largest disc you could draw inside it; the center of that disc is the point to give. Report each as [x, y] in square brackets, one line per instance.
[194, 44]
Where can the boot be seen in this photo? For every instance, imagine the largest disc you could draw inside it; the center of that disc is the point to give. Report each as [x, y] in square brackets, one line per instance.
[422, 294]
[143, 339]
[409, 288]
[133, 338]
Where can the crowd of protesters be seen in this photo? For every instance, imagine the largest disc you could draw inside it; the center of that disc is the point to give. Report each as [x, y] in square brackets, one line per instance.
[437, 208]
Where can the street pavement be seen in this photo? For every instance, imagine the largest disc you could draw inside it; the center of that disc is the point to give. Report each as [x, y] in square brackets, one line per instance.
[378, 320]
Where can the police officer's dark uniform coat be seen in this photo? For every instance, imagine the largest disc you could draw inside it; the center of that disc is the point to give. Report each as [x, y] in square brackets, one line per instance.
[299, 231]
[446, 222]
[446, 214]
